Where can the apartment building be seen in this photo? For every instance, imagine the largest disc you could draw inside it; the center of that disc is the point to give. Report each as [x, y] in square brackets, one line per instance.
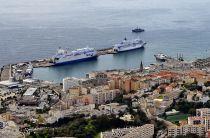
[203, 112]
[145, 131]
[103, 97]
[70, 82]
[174, 131]
[199, 124]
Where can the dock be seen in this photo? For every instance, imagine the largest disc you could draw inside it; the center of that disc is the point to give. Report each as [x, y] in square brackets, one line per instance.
[22, 67]
[41, 63]
[105, 51]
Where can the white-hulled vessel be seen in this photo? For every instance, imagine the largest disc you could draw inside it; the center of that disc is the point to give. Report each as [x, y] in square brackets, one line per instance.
[161, 57]
[127, 45]
[65, 57]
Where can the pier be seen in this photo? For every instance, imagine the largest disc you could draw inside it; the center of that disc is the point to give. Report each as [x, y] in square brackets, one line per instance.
[105, 51]
[22, 67]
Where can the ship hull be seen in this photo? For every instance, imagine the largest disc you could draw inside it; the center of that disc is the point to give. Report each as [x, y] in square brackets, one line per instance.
[137, 31]
[161, 60]
[76, 61]
[131, 48]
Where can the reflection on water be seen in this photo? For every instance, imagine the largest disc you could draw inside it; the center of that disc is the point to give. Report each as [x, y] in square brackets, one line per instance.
[129, 55]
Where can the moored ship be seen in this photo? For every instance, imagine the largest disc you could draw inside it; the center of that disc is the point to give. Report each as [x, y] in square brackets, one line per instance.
[66, 57]
[161, 57]
[127, 45]
[137, 30]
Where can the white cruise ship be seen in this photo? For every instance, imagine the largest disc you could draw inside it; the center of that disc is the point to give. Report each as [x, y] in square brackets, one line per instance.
[126, 45]
[65, 57]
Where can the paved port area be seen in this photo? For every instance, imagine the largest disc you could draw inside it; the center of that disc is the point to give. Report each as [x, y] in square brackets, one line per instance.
[105, 51]
[171, 63]
[5, 70]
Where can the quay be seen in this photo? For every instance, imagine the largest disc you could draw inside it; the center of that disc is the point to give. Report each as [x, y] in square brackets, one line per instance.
[6, 71]
[105, 51]
[21, 69]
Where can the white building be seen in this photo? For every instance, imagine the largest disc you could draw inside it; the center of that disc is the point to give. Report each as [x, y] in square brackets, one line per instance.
[174, 131]
[10, 130]
[70, 82]
[103, 97]
[198, 124]
[203, 112]
[30, 91]
[145, 131]
[113, 108]
[172, 112]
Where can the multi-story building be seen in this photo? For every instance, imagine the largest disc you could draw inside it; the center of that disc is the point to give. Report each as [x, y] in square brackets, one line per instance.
[117, 82]
[145, 131]
[196, 120]
[135, 85]
[96, 75]
[207, 123]
[103, 97]
[75, 91]
[99, 89]
[198, 124]
[95, 97]
[144, 85]
[70, 82]
[6, 116]
[125, 84]
[203, 112]
[174, 131]
[113, 108]
[111, 84]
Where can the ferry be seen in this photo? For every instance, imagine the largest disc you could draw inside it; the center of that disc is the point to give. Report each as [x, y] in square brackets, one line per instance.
[127, 45]
[66, 57]
[161, 57]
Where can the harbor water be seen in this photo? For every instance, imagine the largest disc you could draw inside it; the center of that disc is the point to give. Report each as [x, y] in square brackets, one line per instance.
[35, 29]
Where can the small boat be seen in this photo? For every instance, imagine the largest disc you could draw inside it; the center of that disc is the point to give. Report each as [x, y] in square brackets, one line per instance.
[161, 57]
[137, 30]
[29, 70]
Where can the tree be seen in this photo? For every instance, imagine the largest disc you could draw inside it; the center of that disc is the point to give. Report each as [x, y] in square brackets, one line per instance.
[40, 119]
[3, 110]
[207, 84]
[118, 99]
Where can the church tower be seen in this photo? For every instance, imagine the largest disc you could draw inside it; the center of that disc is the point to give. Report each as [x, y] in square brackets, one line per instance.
[141, 67]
